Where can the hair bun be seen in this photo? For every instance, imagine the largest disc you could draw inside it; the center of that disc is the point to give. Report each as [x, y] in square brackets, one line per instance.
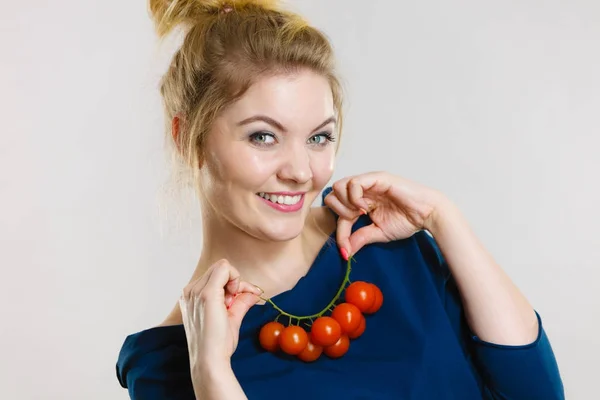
[167, 14]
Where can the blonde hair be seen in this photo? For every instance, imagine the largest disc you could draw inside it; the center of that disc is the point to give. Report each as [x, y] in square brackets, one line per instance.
[228, 46]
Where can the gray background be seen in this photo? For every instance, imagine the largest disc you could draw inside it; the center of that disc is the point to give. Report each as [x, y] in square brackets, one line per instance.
[494, 103]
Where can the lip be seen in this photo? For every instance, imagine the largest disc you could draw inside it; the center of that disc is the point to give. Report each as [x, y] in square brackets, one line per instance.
[286, 208]
[286, 193]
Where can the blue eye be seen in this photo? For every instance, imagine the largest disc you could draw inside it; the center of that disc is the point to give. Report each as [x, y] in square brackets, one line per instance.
[262, 138]
[321, 139]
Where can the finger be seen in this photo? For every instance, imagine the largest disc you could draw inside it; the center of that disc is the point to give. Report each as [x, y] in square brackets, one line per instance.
[243, 287]
[217, 283]
[344, 229]
[333, 202]
[190, 299]
[247, 287]
[373, 182]
[243, 302]
[365, 235]
[231, 290]
[196, 286]
[355, 195]
[340, 189]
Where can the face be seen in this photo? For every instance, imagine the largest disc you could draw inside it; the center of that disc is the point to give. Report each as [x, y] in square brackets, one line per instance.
[270, 154]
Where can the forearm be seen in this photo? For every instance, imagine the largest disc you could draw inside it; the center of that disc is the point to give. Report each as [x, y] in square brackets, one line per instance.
[212, 382]
[495, 309]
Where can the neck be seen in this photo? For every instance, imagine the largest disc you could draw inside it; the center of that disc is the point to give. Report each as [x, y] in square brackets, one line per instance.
[274, 266]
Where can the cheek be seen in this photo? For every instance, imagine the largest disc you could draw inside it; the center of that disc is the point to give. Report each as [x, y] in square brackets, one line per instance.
[255, 164]
[322, 166]
[243, 173]
[252, 171]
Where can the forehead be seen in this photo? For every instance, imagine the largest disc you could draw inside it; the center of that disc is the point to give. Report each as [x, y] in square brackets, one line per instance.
[297, 99]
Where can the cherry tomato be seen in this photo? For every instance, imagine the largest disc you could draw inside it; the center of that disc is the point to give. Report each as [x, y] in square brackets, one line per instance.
[360, 330]
[378, 300]
[325, 331]
[311, 352]
[269, 336]
[348, 316]
[293, 340]
[360, 294]
[339, 348]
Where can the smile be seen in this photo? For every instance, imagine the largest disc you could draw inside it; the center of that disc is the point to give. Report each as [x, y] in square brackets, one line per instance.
[281, 199]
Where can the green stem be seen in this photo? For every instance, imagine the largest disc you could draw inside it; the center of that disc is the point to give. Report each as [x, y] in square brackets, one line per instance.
[323, 311]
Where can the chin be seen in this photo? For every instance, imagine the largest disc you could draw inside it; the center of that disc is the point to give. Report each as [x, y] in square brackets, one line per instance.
[275, 231]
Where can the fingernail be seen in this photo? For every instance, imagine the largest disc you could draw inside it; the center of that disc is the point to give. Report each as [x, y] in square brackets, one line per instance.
[363, 212]
[259, 290]
[344, 254]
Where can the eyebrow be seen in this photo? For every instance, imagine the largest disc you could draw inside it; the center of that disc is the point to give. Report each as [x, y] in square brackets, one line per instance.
[278, 125]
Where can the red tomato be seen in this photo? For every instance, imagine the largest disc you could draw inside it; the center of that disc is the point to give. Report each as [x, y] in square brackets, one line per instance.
[378, 300]
[360, 330]
[311, 352]
[348, 316]
[325, 331]
[360, 294]
[339, 348]
[269, 336]
[293, 340]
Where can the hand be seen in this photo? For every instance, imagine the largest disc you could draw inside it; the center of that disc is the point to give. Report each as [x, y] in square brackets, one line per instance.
[212, 308]
[397, 207]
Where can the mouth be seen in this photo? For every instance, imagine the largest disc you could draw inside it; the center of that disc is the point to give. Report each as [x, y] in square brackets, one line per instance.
[284, 199]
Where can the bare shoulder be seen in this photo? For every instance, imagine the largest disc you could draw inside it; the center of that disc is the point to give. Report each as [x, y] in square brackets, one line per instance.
[174, 318]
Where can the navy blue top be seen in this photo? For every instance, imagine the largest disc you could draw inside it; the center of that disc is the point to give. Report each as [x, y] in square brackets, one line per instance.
[417, 346]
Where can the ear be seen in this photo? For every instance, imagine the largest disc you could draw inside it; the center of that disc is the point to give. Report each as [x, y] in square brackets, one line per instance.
[176, 130]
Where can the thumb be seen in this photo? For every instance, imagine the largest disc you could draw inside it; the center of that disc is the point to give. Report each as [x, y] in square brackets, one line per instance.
[364, 236]
[241, 305]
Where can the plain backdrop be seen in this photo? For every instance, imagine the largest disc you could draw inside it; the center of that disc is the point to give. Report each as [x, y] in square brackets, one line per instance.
[497, 104]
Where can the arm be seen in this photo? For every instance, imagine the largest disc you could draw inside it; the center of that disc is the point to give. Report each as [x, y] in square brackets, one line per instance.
[527, 368]
[212, 309]
[213, 382]
[155, 365]
[510, 350]
[495, 309]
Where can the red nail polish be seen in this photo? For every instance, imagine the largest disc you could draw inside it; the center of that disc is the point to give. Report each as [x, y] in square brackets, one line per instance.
[344, 254]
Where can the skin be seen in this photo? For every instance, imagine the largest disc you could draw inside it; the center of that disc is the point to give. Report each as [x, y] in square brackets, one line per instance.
[495, 309]
[246, 240]
[296, 158]
[242, 235]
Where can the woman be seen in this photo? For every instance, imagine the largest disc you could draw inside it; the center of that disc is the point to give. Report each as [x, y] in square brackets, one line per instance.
[253, 107]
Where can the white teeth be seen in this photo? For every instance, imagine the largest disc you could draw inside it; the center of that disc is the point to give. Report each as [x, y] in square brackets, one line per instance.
[287, 200]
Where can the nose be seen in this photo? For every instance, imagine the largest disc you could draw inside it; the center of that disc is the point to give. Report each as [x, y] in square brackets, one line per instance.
[296, 165]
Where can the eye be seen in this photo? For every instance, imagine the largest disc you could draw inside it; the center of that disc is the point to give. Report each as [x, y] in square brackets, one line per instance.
[321, 139]
[262, 138]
